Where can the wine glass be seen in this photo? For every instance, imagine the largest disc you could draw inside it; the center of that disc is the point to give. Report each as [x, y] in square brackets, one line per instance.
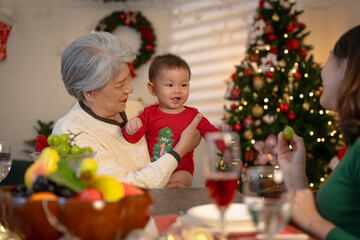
[222, 169]
[5, 159]
[268, 198]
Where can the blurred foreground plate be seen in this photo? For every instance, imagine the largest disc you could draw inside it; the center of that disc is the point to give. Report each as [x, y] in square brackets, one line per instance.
[237, 217]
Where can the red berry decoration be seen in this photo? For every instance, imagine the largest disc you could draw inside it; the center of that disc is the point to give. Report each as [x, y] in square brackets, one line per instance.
[290, 28]
[127, 23]
[271, 37]
[291, 116]
[149, 47]
[297, 75]
[284, 107]
[303, 52]
[237, 127]
[233, 106]
[270, 74]
[122, 16]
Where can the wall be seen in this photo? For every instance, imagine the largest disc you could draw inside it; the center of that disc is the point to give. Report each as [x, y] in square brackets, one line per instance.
[30, 80]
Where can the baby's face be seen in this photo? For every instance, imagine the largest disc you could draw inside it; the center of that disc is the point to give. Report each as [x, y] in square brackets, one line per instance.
[172, 88]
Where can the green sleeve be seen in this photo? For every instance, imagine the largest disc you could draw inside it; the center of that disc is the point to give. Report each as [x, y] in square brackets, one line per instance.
[337, 233]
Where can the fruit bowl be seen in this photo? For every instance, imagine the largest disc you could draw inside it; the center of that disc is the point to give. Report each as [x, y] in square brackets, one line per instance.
[68, 217]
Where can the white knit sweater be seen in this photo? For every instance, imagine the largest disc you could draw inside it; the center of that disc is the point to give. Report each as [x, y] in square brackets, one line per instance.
[115, 156]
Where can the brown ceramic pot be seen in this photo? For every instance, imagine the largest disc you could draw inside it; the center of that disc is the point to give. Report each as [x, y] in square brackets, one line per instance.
[85, 220]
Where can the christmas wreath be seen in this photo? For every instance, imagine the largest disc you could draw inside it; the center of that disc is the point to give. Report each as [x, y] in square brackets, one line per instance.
[138, 22]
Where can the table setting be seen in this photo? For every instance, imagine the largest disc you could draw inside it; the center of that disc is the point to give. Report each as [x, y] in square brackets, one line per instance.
[235, 205]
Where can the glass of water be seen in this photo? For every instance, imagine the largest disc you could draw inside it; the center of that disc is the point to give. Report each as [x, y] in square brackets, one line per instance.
[5, 159]
[268, 198]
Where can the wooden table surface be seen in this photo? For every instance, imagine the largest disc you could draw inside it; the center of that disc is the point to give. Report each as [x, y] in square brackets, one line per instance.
[169, 201]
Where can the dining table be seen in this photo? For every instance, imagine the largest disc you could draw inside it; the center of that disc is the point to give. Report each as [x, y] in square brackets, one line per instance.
[171, 203]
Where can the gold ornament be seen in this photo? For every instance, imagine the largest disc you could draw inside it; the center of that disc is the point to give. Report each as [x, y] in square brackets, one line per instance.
[275, 17]
[306, 106]
[258, 82]
[258, 131]
[257, 111]
[227, 115]
[282, 63]
[296, 85]
[248, 134]
[269, 80]
[286, 5]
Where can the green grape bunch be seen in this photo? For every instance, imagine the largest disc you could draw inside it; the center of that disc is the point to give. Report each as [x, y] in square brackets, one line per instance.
[64, 144]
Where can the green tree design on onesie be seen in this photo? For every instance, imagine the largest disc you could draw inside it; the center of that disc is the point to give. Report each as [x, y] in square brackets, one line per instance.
[164, 143]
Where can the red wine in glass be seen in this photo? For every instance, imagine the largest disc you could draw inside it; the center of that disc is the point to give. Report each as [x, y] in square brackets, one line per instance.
[222, 190]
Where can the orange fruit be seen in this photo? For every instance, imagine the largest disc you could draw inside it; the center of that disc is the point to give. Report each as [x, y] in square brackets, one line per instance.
[131, 190]
[40, 196]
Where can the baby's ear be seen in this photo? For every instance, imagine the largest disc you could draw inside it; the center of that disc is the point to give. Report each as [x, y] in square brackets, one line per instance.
[151, 88]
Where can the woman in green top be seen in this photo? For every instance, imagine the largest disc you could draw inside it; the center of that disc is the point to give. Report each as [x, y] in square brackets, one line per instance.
[336, 212]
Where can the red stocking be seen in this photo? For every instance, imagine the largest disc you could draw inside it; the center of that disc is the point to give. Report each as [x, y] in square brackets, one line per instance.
[4, 33]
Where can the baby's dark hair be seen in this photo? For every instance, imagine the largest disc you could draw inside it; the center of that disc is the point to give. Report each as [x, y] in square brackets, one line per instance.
[168, 61]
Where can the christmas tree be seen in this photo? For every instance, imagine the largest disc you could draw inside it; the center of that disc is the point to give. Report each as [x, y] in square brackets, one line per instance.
[164, 143]
[277, 85]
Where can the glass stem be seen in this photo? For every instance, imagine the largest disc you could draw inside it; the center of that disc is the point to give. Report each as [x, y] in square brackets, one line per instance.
[222, 224]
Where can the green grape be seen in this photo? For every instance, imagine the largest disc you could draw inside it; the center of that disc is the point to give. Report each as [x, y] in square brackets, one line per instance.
[87, 150]
[64, 138]
[63, 148]
[53, 140]
[288, 132]
[75, 150]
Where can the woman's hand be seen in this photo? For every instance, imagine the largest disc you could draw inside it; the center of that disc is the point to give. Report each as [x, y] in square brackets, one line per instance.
[190, 137]
[307, 217]
[293, 161]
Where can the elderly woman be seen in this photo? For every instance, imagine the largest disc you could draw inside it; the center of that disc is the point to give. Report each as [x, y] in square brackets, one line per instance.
[336, 212]
[95, 71]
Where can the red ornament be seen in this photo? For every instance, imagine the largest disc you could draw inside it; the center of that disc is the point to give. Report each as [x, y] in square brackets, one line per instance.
[290, 28]
[237, 127]
[273, 51]
[250, 156]
[271, 37]
[297, 75]
[248, 122]
[149, 47]
[270, 74]
[293, 44]
[127, 23]
[303, 52]
[268, 29]
[254, 57]
[284, 107]
[235, 93]
[233, 76]
[249, 72]
[233, 106]
[291, 116]
[122, 16]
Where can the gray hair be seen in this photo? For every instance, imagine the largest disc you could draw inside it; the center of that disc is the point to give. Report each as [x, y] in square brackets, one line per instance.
[92, 61]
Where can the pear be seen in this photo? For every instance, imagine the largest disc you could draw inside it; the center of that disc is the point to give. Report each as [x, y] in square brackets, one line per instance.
[46, 164]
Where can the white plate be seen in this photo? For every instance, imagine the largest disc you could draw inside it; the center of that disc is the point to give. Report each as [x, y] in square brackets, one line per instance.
[237, 217]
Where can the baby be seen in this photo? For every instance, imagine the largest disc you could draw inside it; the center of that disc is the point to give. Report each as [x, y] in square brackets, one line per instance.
[164, 122]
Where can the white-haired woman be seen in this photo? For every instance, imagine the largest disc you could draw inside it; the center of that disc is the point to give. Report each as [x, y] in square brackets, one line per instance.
[95, 71]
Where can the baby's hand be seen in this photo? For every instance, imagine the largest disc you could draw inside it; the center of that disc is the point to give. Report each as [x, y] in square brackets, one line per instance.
[133, 126]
